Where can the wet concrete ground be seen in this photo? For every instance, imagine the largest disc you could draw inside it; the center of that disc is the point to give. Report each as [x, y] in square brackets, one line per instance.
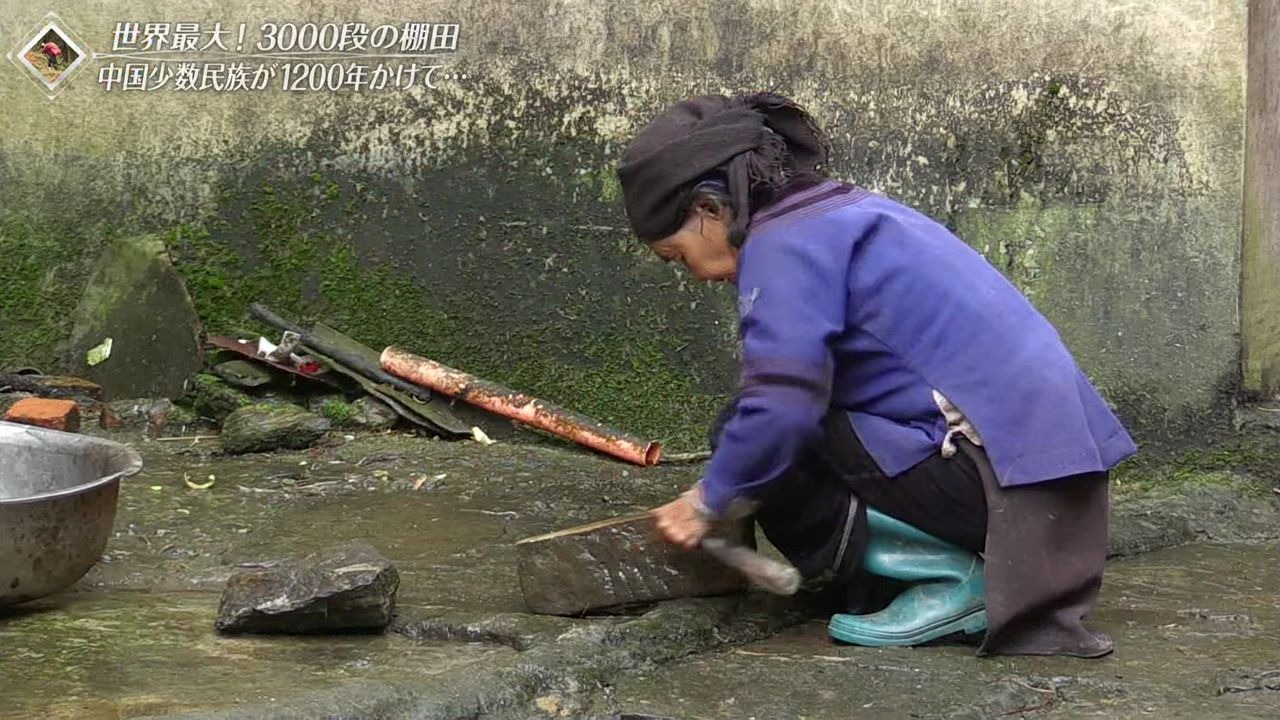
[135, 653]
[135, 637]
[1197, 632]
[1197, 626]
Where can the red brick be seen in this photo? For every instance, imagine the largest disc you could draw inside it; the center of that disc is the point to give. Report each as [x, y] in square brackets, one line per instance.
[46, 413]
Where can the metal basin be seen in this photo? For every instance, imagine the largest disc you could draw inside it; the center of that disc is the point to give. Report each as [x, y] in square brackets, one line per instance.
[57, 504]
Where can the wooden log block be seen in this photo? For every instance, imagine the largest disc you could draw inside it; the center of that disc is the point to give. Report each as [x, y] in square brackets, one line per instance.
[614, 562]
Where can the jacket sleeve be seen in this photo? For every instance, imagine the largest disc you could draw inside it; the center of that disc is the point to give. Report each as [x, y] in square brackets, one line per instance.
[793, 301]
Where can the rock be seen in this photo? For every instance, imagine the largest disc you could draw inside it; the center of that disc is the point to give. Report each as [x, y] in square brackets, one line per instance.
[261, 428]
[555, 705]
[519, 631]
[373, 414]
[343, 588]
[108, 419]
[213, 398]
[140, 412]
[47, 413]
[1261, 417]
[242, 373]
[279, 397]
[1228, 514]
[139, 301]
[158, 416]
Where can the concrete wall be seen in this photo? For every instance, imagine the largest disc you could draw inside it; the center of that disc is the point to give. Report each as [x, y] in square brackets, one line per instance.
[1090, 148]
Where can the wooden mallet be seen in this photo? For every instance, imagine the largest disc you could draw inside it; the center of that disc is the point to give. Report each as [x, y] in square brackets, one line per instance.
[768, 574]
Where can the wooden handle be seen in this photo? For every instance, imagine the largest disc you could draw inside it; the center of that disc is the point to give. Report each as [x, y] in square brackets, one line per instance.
[776, 577]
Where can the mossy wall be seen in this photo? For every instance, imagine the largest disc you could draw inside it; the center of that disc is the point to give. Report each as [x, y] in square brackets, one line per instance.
[1090, 149]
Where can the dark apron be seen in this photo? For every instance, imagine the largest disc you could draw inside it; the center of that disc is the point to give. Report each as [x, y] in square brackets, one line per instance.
[1045, 554]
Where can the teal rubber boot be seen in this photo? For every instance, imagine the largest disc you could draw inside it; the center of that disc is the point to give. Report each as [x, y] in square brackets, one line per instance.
[948, 600]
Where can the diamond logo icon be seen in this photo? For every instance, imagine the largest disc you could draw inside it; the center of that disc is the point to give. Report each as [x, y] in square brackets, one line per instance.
[51, 55]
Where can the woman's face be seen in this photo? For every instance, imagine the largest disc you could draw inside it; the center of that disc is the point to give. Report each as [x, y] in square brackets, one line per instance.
[702, 245]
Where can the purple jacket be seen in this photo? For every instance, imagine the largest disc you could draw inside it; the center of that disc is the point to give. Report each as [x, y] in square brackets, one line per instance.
[850, 300]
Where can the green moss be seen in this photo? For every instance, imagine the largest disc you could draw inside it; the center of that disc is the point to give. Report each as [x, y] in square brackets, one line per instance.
[42, 278]
[1250, 464]
[629, 376]
[1018, 240]
[204, 382]
[125, 261]
[339, 412]
[609, 187]
[211, 397]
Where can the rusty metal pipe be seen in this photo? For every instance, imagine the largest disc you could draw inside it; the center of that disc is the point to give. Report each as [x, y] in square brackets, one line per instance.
[518, 406]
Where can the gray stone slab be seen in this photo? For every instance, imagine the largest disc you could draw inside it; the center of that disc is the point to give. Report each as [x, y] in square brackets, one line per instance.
[136, 299]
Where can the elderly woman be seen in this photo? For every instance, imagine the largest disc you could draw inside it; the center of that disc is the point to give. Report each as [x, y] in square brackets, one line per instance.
[903, 413]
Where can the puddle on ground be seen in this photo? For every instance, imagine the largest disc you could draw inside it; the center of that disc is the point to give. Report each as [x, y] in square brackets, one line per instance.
[130, 654]
[447, 554]
[1197, 632]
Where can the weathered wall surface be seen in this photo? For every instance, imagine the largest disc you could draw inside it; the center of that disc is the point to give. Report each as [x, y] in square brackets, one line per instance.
[1260, 241]
[1090, 148]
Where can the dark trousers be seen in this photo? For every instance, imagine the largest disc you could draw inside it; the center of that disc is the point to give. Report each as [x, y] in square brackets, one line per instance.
[806, 514]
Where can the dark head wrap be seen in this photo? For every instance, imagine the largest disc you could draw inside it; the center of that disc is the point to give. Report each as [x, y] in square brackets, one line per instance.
[761, 144]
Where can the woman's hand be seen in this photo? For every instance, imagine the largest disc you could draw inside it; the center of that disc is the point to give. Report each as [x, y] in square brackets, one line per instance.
[680, 523]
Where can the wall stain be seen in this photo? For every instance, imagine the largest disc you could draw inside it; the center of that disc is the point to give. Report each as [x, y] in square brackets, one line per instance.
[1091, 157]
